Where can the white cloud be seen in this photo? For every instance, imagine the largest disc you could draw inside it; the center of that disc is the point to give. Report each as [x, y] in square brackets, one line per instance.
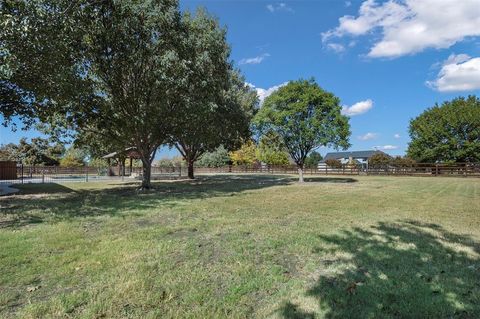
[264, 93]
[411, 26]
[282, 6]
[336, 47]
[368, 136]
[456, 58]
[348, 3]
[255, 60]
[386, 147]
[458, 73]
[396, 135]
[357, 108]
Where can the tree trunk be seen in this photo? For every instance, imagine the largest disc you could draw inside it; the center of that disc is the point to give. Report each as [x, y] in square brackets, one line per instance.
[300, 173]
[147, 174]
[190, 170]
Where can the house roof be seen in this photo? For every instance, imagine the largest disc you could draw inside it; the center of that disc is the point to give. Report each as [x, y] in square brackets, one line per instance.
[353, 154]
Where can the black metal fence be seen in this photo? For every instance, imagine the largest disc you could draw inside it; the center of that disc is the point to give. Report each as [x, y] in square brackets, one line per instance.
[55, 174]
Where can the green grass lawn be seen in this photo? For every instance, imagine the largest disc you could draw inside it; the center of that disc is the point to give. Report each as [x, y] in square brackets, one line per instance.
[243, 246]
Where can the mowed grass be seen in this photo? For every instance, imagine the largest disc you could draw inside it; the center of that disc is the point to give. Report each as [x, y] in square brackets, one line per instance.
[238, 246]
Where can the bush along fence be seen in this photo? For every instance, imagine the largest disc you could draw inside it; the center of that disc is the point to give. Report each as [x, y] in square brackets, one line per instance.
[51, 174]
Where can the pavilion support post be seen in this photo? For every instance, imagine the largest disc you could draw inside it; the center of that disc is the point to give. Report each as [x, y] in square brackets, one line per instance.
[131, 165]
[109, 169]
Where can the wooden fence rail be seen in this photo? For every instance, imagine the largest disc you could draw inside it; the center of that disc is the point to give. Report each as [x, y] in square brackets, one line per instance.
[17, 173]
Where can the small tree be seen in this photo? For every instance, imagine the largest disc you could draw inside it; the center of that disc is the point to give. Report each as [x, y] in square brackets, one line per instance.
[176, 161]
[271, 151]
[246, 155]
[313, 159]
[333, 163]
[379, 159]
[73, 158]
[217, 158]
[98, 163]
[306, 117]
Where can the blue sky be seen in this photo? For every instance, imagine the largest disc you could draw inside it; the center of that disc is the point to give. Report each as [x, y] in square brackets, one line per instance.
[386, 60]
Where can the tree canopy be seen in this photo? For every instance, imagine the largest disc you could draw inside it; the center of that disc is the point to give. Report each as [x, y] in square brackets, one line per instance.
[447, 133]
[306, 117]
[121, 73]
[38, 151]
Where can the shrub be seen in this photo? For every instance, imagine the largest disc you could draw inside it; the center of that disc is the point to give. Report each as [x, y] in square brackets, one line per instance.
[313, 159]
[400, 161]
[333, 163]
[379, 159]
[217, 158]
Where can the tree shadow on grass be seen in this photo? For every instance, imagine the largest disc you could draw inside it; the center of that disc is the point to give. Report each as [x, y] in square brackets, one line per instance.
[59, 202]
[324, 179]
[49, 188]
[397, 270]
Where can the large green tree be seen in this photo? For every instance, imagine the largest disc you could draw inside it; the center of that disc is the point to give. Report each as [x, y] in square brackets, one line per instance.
[306, 117]
[215, 104]
[132, 72]
[447, 133]
[113, 68]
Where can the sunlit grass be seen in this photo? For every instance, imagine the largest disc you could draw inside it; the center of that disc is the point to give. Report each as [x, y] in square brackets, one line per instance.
[243, 246]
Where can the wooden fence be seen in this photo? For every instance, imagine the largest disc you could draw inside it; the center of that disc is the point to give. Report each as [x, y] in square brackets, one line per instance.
[17, 173]
[422, 169]
[8, 170]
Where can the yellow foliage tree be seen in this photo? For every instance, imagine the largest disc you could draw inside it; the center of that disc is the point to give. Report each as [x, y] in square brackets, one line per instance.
[246, 155]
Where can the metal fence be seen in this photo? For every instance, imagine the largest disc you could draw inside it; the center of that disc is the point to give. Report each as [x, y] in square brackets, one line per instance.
[55, 174]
